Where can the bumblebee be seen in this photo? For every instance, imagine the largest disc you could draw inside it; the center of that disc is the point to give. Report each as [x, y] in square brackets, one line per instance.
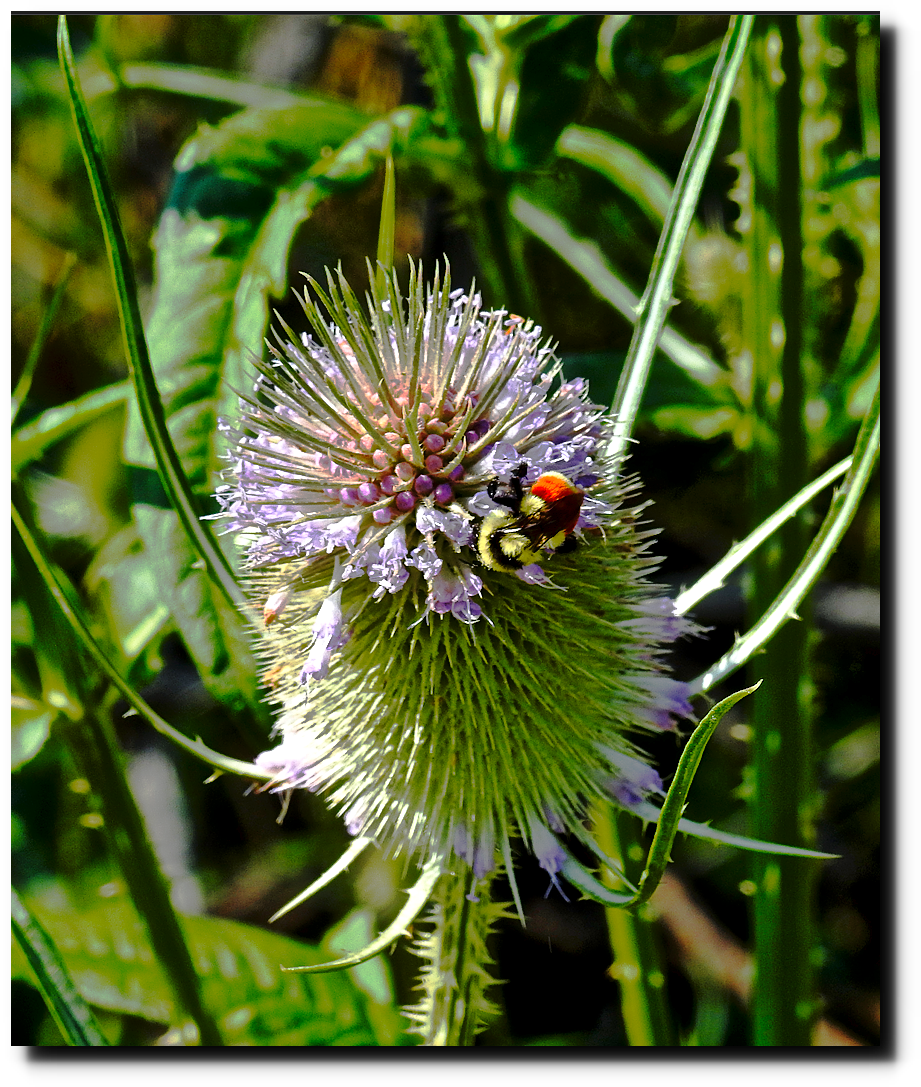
[541, 520]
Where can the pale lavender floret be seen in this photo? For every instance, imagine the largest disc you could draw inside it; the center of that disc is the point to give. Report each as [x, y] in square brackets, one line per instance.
[529, 423]
[659, 620]
[572, 457]
[480, 854]
[329, 634]
[465, 608]
[532, 574]
[503, 458]
[594, 513]
[358, 565]
[425, 560]
[449, 592]
[444, 589]
[633, 779]
[553, 820]
[394, 549]
[310, 537]
[466, 611]
[480, 504]
[537, 457]
[355, 818]
[670, 699]
[457, 529]
[546, 848]
[342, 533]
[293, 762]
[388, 570]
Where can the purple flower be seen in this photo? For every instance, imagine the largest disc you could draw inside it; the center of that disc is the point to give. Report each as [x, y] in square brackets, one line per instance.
[356, 482]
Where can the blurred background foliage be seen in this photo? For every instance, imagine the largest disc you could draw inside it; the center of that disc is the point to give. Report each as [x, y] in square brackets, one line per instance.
[249, 147]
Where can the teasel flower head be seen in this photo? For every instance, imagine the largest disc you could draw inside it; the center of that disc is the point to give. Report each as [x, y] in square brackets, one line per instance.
[446, 702]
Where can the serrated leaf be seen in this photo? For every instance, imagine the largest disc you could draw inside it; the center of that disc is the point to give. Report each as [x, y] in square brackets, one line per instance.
[222, 247]
[216, 637]
[242, 190]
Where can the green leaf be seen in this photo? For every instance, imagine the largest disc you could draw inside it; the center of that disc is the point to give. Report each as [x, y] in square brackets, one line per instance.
[30, 441]
[168, 463]
[241, 191]
[721, 837]
[546, 106]
[865, 168]
[31, 726]
[69, 1009]
[221, 249]
[122, 578]
[358, 158]
[255, 1002]
[624, 166]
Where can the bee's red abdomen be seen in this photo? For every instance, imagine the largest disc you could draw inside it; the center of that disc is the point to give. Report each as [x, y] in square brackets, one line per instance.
[561, 496]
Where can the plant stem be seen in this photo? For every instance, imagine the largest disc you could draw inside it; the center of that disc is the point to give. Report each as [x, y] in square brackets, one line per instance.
[773, 317]
[495, 234]
[455, 976]
[637, 963]
[93, 740]
[657, 299]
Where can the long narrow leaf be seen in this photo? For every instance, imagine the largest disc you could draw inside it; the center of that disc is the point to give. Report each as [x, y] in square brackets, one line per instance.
[70, 1011]
[418, 896]
[839, 516]
[81, 630]
[170, 467]
[714, 578]
[658, 297]
[44, 331]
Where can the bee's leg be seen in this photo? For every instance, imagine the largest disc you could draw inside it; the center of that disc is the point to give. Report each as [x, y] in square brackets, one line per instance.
[519, 472]
[514, 491]
[569, 544]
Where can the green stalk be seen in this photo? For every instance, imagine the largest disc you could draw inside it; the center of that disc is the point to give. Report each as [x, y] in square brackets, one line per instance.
[44, 331]
[655, 303]
[637, 962]
[172, 473]
[84, 636]
[97, 749]
[455, 976]
[93, 740]
[70, 1011]
[783, 1004]
[783, 607]
[495, 235]
[638, 966]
